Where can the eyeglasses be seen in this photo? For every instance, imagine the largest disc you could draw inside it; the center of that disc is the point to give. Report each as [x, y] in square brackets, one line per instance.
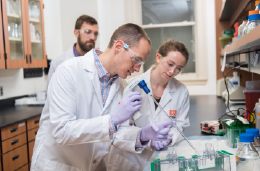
[170, 67]
[136, 60]
[89, 32]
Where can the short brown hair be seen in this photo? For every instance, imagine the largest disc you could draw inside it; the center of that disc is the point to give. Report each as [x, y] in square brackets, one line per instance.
[172, 45]
[130, 34]
[85, 18]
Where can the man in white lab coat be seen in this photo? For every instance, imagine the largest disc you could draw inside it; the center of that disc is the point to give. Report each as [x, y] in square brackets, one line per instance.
[86, 32]
[84, 107]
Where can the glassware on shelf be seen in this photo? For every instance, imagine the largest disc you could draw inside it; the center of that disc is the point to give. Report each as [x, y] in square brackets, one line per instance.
[20, 31]
[12, 30]
[32, 31]
[34, 11]
[16, 30]
[255, 21]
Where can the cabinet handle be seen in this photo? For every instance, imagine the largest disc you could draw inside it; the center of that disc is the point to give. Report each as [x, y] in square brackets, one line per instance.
[15, 141]
[36, 132]
[30, 58]
[36, 121]
[26, 58]
[16, 157]
[14, 129]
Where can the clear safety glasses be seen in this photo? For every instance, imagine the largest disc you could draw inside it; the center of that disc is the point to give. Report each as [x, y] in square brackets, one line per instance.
[169, 66]
[89, 32]
[136, 60]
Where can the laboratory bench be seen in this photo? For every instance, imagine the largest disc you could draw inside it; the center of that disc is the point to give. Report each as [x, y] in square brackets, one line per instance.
[204, 108]
[18, 127]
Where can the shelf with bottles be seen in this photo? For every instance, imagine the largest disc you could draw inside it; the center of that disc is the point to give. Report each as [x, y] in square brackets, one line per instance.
[248, 43]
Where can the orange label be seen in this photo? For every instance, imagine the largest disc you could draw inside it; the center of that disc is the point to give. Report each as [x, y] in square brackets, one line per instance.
[236, 158]
[172, 112]
[258, 113]
[118, 102]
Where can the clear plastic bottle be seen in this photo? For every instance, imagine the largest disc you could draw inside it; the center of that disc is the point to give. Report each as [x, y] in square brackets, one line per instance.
[235, 80]
[255, 132]
[242, 26]
[248, 23]
[256, 5]
[247, 157]
[257, 113]
[255, 21]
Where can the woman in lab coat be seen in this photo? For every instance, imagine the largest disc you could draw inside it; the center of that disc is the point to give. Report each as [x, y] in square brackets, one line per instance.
[171, 94]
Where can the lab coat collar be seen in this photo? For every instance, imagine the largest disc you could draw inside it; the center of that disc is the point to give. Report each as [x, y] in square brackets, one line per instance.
[89, 66]
[167, 94]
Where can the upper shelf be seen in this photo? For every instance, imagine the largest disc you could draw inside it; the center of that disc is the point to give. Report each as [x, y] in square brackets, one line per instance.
[13, 15]
[248, 43]
[232, 9]
[34, 20]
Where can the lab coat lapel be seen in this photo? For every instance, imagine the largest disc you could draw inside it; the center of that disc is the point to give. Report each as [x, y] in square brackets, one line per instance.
[112, 92]
[147, 79]
[96, 85]
[167, 95]
[89, 66]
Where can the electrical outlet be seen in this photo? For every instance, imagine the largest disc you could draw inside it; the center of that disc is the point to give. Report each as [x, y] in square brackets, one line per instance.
[1, 91]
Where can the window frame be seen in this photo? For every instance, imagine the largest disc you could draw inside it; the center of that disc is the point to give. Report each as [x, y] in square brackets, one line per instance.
[200, 76]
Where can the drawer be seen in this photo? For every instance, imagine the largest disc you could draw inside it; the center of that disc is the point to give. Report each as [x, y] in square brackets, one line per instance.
[15, 158]
[13, 130]
[32, 133]
[33, 123]
[31, 145]
[14, 142]
[24, 168]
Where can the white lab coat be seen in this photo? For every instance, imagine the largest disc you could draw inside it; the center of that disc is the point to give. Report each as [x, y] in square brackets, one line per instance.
[175, 97]
[57, 61]
[73, 133]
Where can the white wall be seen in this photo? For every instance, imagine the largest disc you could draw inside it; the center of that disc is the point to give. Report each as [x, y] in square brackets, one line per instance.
[60, 17]
[59, 21]
[210, 47]
[69, 12]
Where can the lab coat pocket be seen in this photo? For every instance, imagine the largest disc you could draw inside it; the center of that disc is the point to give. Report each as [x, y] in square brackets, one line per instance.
[118, 163]
[54, 166]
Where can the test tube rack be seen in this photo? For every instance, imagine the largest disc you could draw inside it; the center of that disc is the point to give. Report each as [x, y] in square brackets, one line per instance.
[219, 159]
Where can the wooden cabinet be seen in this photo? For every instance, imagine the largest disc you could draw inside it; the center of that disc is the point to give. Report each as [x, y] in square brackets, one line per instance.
[31, 145]
[15, 158]
[2, 54]
[24, 33]
[33, 123]
[13, 130]
[17, 145]
[13, 142]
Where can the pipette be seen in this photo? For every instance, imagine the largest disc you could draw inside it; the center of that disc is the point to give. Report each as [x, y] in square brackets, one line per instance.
[143, 86]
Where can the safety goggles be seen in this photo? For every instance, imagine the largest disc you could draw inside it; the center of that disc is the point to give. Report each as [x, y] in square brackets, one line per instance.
[136, 60]
[89, 32]
[171, 67]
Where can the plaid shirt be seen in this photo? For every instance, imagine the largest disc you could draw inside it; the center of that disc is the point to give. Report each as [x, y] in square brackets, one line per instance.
[105, 84]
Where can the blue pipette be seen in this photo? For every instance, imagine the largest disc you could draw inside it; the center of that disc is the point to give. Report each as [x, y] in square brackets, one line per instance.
[143, 86]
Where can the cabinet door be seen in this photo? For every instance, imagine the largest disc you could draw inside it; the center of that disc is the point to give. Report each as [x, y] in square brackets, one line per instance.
[36, 43]
[15, 33]
[2, 53]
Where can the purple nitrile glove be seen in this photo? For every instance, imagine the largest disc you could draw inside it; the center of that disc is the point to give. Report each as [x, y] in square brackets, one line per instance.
[127, 107]
[161, 144]
[156, 131]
